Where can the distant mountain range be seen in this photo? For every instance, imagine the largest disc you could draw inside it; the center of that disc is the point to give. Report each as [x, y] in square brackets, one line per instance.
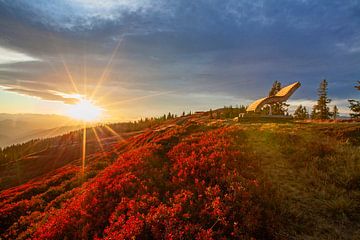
[17, 128]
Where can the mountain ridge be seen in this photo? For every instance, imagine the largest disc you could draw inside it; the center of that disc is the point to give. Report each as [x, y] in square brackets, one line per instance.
[195, 177]
[18, 128]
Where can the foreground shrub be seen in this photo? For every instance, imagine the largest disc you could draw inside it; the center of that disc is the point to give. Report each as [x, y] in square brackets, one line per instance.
[176, 183]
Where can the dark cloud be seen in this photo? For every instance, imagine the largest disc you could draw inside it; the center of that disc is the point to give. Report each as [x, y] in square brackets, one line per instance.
[233, 47]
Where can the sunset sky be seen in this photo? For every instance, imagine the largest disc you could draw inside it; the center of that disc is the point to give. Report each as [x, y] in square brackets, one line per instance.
[139, 58]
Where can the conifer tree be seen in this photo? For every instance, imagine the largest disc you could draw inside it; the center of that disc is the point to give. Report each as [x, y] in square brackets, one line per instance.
[242, 109]
[313, 114]
[301, 112]
[276, 108]
[355, 105]
[275, 88]
[321, 110]
[335, 112]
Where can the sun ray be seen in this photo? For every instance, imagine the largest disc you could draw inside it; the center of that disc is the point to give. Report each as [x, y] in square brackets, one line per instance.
[85, 74]
[107, 67]
[59, 155]
[98, 139]
[139, 98]
[48, 134]
[68, 73]
[101, 130]
[52, 67]
[113, 132]
[83, 149]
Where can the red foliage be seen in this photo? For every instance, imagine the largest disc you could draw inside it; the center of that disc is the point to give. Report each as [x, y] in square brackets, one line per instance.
[165, 186]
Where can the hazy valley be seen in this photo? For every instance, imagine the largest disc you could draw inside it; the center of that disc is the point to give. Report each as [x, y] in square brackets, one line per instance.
[17, 128]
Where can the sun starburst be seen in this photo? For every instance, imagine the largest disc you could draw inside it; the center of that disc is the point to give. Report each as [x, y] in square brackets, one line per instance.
[85, 110]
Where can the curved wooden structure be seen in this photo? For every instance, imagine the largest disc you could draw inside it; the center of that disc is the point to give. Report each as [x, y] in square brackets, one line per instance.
[282, 96]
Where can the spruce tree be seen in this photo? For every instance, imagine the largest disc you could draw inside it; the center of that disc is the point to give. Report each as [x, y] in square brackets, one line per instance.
[301, 112]
[321, 110]
[276, 108]
[275, 88]
[313, 114]
[242, 109]
[298, 112]
[355, 105]
[335, 112]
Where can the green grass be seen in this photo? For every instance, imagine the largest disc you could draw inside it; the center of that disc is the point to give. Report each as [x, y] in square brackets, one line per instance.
[314, 175]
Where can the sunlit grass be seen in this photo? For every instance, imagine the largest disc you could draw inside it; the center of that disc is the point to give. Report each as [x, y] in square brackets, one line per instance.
[315, 179]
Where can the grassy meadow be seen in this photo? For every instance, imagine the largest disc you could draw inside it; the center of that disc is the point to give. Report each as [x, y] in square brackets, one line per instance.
[314, 173]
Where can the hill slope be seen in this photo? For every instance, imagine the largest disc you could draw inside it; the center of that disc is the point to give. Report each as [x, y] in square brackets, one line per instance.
[195, 177]
[17, 128]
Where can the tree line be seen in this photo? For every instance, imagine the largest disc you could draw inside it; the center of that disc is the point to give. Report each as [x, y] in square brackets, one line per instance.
[320, 110]
[16, 151]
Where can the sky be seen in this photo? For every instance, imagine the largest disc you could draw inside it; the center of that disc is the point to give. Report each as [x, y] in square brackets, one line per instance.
[137, 58]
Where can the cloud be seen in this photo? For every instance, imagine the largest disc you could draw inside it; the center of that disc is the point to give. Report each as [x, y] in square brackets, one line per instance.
[84, 14]
[233, 48]
[45, 95]
[10, 56]
[350, 45]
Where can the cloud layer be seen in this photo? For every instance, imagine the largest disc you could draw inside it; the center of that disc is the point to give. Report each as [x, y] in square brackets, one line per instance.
[233, 48]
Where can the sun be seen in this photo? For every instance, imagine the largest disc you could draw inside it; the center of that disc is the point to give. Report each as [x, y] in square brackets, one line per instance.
[85, 110]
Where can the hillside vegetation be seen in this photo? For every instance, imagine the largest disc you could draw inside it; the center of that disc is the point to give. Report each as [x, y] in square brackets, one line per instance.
[198, 178]
[17, 128]
[22, 162]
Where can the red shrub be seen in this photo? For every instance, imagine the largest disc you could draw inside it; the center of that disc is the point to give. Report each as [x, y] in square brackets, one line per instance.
[166, 185]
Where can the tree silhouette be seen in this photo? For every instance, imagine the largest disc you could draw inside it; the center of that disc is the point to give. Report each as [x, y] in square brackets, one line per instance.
[335, 112]
[301, 113]
[321, 110]
[355, 105]
[276, 108]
